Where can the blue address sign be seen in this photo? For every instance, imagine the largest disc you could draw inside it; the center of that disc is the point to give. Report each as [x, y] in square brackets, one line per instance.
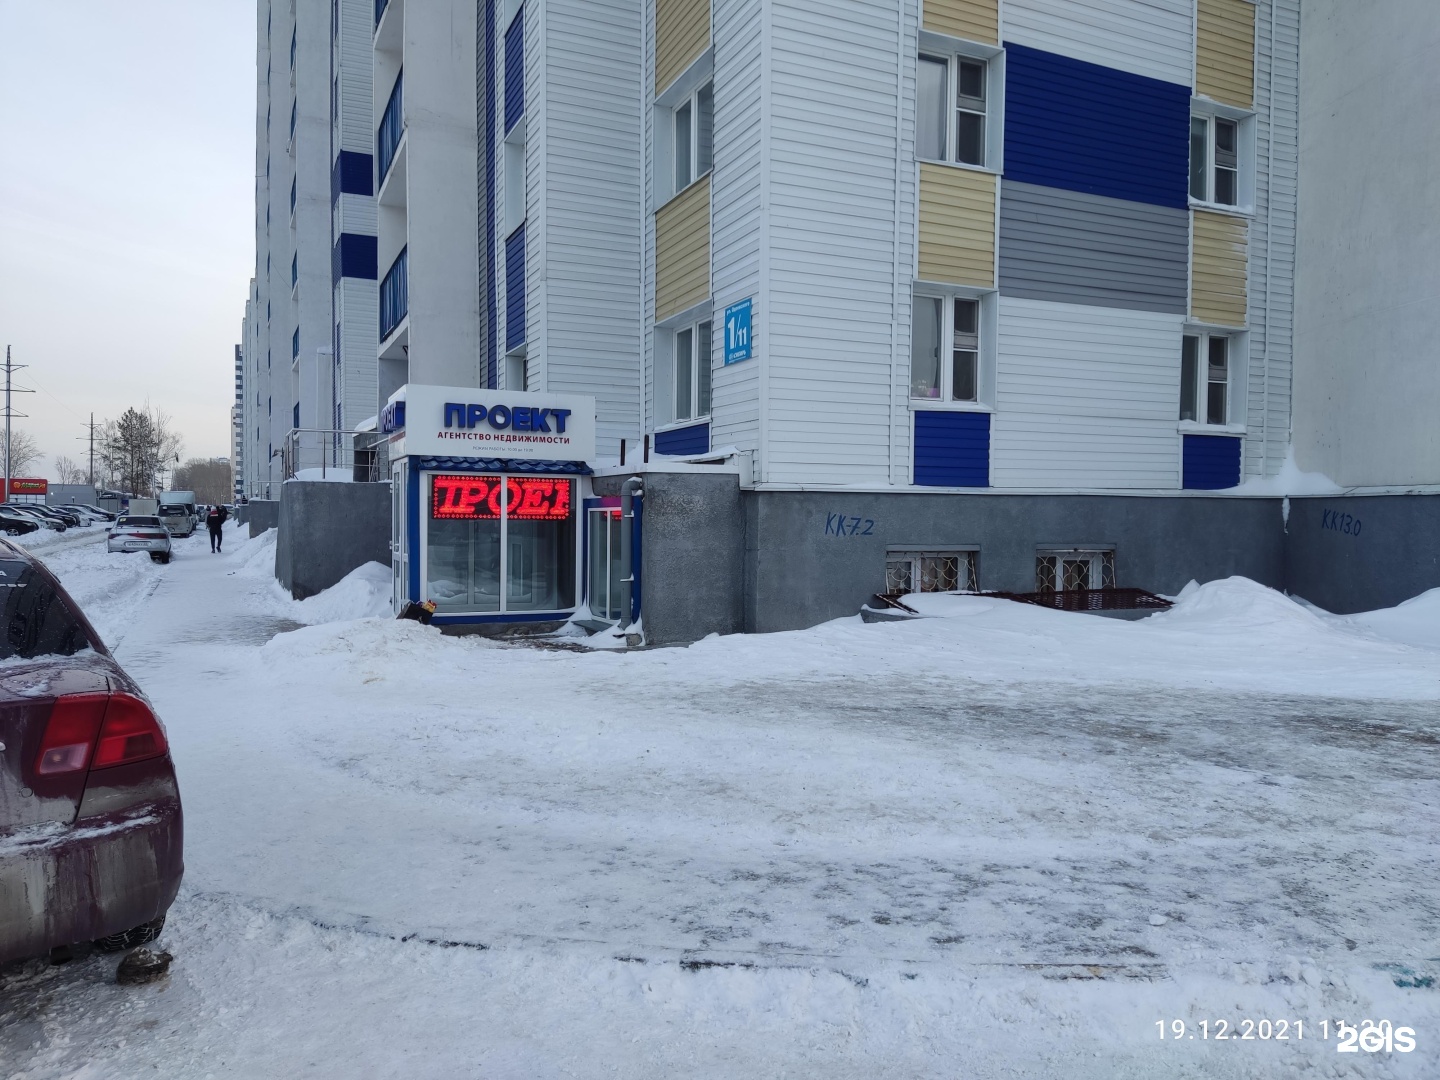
[737, 332]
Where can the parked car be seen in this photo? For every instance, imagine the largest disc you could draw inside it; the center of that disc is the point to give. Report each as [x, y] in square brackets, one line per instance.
[73, 518]
[104, 514]
[30, 512]
[178, 518]
[91, 830]
[16, 524]
[133, 533]
[49, 512]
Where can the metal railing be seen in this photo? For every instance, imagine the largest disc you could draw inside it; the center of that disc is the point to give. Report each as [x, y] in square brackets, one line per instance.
[392, 127]
[329, 454]
[395, 294]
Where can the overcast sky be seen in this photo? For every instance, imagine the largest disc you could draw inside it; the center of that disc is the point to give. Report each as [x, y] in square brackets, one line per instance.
[127, 134]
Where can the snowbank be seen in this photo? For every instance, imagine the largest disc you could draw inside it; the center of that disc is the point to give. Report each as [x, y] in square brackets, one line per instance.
[364, 593]
[1415, 622]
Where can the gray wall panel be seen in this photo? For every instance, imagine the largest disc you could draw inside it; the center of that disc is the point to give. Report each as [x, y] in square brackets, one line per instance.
[1072, 248]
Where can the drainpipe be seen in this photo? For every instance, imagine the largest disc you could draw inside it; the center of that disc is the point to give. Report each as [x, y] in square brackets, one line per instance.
[628, 490]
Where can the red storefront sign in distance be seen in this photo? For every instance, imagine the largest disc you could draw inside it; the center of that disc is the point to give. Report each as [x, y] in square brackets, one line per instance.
[19, 486]
[478, 498]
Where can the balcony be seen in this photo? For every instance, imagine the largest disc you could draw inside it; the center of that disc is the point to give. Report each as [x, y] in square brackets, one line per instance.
[380, 6]
[392, 128]
[395, 294]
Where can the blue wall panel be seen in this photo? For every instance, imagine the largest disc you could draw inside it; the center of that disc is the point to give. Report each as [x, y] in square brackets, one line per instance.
[352, 173]
[515, 289]
[952, 449]
[694, 439]
[354, 256]
[1083, 127]
[515, 70]
[1210, 462]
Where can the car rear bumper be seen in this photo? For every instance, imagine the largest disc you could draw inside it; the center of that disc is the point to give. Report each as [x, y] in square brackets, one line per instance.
[105, 874]
[153, 546]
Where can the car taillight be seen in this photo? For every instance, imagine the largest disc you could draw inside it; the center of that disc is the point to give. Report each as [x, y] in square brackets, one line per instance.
[118, 728]
[70, 733]
[130, 733]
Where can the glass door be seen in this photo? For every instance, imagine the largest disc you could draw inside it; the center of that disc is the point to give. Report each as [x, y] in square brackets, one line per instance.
[605, 571]
[398, 553]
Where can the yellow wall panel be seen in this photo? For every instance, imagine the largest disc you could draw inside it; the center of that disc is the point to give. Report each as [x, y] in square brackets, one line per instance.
[682, 32]
[1217, 268]
[1225, 51]
[975, 20]
[957, 226]
[682, 250]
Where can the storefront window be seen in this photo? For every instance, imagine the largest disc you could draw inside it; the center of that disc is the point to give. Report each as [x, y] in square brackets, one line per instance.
[487, 529]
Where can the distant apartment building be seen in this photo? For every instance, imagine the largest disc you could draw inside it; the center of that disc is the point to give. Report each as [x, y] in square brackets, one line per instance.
[237, 422]
[310, 368]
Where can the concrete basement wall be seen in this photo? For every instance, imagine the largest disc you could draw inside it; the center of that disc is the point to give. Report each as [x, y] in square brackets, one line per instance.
[1361, 552]
[328, 530]
[261, 514]
[813, 556]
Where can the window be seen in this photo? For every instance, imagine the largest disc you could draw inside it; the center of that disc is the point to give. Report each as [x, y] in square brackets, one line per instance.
[1215, 160]
[930, 571]
[692, 371]
[501, 544]
[951, 119]
[951, 373]
[1206, 369]
[1066, 570]
[694, 120]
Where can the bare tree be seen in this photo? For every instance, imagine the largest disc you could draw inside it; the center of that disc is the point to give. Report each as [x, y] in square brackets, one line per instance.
[211, 480]
[24, 452]
[68, 472]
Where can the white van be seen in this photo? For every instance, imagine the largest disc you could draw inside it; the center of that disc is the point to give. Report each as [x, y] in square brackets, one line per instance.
[177, 512]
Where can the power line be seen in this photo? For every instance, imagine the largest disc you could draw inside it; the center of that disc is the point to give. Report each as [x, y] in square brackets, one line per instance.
[10, 369]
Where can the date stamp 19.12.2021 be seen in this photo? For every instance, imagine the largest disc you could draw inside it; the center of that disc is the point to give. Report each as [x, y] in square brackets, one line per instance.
[1366, 1036]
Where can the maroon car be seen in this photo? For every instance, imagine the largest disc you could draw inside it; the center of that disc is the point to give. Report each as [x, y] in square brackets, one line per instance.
[90, 825]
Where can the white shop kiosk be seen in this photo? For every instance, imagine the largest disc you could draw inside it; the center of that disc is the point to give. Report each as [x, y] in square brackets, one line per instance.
[490, 491]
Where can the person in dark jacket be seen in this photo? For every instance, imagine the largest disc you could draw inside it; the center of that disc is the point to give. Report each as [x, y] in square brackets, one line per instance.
[215, 521]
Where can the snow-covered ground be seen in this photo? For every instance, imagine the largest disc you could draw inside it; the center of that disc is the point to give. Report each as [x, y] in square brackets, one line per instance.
[1002, 841]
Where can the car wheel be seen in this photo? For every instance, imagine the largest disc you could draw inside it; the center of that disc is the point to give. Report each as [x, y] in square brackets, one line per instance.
[165, 559]
[129, 939]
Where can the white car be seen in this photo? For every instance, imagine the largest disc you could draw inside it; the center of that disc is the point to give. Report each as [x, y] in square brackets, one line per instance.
[134, 533]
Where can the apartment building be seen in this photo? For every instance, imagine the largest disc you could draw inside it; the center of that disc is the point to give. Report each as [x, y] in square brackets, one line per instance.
[237, 423]
[424, 118]
[310, 326]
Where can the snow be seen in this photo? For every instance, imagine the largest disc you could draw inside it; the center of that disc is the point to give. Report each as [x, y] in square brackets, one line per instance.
[1289, 480]
[996, 841]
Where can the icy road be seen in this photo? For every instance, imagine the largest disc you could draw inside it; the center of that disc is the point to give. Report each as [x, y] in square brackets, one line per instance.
[1000, 842]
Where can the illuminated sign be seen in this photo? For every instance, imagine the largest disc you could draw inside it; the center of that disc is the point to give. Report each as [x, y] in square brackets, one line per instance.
[479, 498]
[28, 487]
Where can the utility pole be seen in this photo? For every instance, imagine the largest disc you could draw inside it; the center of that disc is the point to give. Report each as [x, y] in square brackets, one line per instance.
[9, 370]
[90, 427]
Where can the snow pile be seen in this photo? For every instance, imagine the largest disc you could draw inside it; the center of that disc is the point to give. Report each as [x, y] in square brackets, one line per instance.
[1415, 622]
[1237, 603]
[364, 593]
[1290, 480]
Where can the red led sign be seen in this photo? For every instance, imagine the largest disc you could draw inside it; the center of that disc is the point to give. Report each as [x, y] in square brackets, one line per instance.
[478, 498]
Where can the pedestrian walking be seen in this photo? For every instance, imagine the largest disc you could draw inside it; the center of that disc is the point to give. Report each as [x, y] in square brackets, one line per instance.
[215, 522]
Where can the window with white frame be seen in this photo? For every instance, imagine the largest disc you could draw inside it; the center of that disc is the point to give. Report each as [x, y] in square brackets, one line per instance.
[945, 349]
[1207, 370]
[692, 370]
[1215, 159]
[952, 109]
[693, 134]
[1069, 569]
[930, 571]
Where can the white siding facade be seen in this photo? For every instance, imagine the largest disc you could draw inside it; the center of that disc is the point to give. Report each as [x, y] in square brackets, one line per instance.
[1145, 37]
[1085, 398]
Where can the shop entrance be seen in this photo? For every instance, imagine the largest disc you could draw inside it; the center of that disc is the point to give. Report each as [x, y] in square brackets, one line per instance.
[604, 572]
